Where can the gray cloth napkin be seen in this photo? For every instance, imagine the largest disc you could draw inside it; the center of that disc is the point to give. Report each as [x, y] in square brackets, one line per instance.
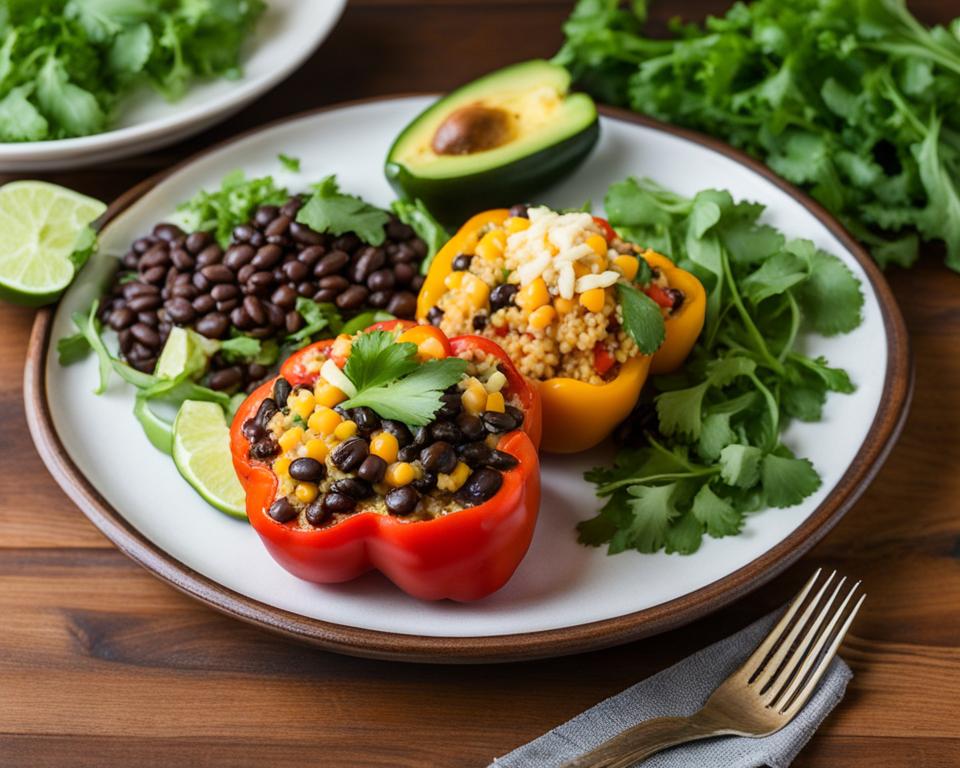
[681, 690]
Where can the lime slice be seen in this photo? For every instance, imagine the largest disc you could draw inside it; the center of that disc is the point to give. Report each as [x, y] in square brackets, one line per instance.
[184, 351]
[201, 451]
[41, 224]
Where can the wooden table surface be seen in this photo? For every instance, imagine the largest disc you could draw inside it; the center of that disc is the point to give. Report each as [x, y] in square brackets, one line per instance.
[103, 665]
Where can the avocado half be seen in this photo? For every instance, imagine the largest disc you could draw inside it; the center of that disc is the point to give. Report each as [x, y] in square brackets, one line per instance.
[494, 142]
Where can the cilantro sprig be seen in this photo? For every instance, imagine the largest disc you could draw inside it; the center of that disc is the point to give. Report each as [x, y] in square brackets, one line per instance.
[707, 440]
[330, 210]
[854, 100]
[390, 379]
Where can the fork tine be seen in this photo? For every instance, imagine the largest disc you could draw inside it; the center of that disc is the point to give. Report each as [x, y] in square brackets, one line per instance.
[809, 647]
[770, 673]
[804, 693]
[754, 664]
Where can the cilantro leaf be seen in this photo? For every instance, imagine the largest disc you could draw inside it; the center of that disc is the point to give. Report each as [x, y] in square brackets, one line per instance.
[740, 465]
[240, 348]
[428, 229]
[292, 164]
[831, 297]
[377, 358]
[317, 316]
[685, 535]
[652, 509]
[679, 411]
[72, 349]
[788, 481]
[641, 318]
[19, 119]
[775, 275]
[718, 515]
[329, 210]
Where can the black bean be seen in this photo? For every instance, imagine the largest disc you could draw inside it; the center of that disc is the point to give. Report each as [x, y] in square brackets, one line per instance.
[381, 280]
[461, 262]
[350, 454]
[180, 310]
[240, 319]
[397, 230]
[452, 405]
[226, 378]
[421, 436]
[402, 501]
[130, 260]
[330, 264]
[254, 308]
[302, 234]
[278, 226]
[282, 511]
[352, 297]
[497, 423]
[184, 290]
[502, 296]
[182, 260]
[519, 211]
[264, 449]
[228, 306]
[348, 242]
[409, 453]
[267, 256]
[197, 241]
[338, 503]
[335, 282]
[143, 244]
[213, 325]
[238, 256]
[366, 420]
[417, 283]
[204, 304]
[404, 273]
[482, 485]
[259, 282]
[212, 254]
[138, 289]
[284, 297]
[403, 305]
[281, 391]
[243, 232]
[379, 299]
[218, 273]
[426, 482]
[446, 431]
[167, 232]
[148, 317]
[471, 426]
[138, 351]
[275, 315]
[373, 469]
[147, 365]
[352, 487]
[316, 514]
[307, 470]
[404, 254]
[145, 335]
[435, 316]
[293, 321]
[367, 261]
[126, 340]
[255, 371]
[399, 430]
[295, 271]
[266, 411]
[502, 460]
[154, 275]
[224, 291]
[307, 289]
[474, 454]
[311, 255]
[439, 457]
[121, 318]
[156, 256]
[245, 273]
[265, 214]
[517, 414]
[252, 430]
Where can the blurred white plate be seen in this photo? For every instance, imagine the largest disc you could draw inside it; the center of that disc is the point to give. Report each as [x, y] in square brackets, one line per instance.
[287, 34]
[564, 597]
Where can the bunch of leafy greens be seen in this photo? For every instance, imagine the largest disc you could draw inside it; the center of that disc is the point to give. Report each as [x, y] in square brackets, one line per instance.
[709, 448]
[66, 64]
[853, 99]
[393, 382]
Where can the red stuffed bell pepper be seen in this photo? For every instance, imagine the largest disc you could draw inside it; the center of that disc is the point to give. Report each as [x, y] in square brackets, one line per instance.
[339, 485]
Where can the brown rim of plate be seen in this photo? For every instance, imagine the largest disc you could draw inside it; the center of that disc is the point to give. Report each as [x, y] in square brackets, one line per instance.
[886, 427]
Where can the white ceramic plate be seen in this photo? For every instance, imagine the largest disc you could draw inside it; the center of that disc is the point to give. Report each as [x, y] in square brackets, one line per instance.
[287, 34]
[564, 596]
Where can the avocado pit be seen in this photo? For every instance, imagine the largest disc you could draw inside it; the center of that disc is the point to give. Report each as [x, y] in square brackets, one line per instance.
[471, 129]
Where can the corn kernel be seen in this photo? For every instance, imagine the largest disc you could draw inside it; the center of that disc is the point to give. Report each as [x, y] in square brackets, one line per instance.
[385, 446]
[281, 466]
[324, 420]
[454, 280]
[579, 269]
[495, 402]
[533, 295]
[290, 439]
[327, 395]
[492, 244]
[341, 346]
[477, 291]
[429, 347]
[302, 403]
[542, 317]
[563, 306]
[516, 224]
[599, 244]
[317, 449]
[593, 299]
[306, 492]
[474, 397]
[628, 265]
[455, 479]
[496, 382]
[345, 429]
[400, 473]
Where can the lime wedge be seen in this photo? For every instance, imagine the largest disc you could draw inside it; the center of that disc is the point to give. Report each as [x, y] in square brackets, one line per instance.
[201, 451]
[185, 351]
[42, 225]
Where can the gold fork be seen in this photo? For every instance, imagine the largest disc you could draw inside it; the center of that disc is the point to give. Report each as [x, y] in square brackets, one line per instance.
[762, 696]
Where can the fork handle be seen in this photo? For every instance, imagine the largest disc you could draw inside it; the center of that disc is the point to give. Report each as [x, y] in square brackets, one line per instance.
[643, 740]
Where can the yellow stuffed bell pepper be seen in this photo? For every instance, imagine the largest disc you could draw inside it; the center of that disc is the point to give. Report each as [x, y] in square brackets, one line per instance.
[585, 393]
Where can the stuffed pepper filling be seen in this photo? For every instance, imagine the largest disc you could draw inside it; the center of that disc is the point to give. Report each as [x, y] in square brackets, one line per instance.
[385, 423]
[544, 285]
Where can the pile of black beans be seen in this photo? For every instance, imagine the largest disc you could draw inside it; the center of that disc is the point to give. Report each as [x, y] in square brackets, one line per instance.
[173, 278]
[453, 436]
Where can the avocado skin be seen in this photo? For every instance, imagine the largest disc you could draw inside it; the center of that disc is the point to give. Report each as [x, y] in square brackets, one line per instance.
[453, 200]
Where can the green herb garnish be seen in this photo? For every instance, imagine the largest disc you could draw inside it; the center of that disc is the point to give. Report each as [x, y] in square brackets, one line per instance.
[712, 452]
[854, 100]
[317, 316]
[428, 229]
[292, 164]
[329, 210]
[390, 379]
[641, 318]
